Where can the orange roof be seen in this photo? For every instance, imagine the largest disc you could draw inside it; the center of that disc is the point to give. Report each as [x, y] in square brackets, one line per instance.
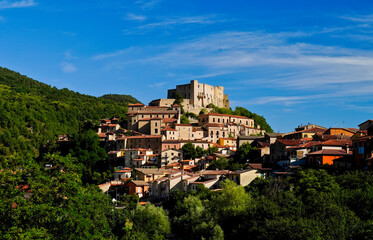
[215, 125]
[168, 129]
[331, 152]
[136, 105]
[168, 120]
[289, 142]
[336, 142]
[223, 115]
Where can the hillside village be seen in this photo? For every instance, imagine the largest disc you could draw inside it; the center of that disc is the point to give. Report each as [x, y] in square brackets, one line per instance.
[156, 153]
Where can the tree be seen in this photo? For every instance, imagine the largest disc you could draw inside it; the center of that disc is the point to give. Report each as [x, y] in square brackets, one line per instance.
[151, 220]
[184, 119]
[199, 151]
[195, 221]
[189, 151]
[220, 164]
[242, 154]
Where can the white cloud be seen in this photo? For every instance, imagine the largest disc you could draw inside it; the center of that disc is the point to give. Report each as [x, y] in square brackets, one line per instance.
[135, 17]
[67, 67]
[360, 18]
[16, 4]
[111, 54]
[145, 4]
[165, 23]
[158, 84]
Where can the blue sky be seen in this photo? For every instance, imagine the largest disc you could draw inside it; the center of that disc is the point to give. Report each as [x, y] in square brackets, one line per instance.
[293, 62]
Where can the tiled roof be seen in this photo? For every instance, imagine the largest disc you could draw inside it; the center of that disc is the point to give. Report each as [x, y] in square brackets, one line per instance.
[136, 105]
[332, 152]
[223, 115]
[313, 130]
[168, 129]
[259, 166]
[289, 142]
[215, 125]
[140, 183]
[169, 120]
[336, 142]
[305, 145]
[215, 172]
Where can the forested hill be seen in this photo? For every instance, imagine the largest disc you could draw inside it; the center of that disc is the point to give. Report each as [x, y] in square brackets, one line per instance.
[31, 112]
[119, 98]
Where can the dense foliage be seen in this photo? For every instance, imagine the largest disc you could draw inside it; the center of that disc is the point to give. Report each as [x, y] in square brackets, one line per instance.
[311, 205]
[121, 99]
[33, 113]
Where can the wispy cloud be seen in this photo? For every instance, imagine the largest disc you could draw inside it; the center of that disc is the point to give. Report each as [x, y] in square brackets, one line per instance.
[146, 4]
[158, 84]
[360, 18]
[16, 4]
[135, 17]
[67, 67]
[111, 54]
[169, 22]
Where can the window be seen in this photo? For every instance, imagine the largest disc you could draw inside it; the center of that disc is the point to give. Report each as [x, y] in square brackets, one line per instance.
[218, 120]
[156, 124]
[213, 120]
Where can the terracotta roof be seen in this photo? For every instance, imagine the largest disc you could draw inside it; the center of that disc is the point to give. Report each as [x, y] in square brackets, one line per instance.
[336, 142]
[313, 130]
[169, 120]
[215, 125]
[223, 115]
[136, 105]
[305, 145]
[168, 129]
[198, 129]
[215, 172]
[353, 129]
[332, 152]
[140, 183]
[289, 142]
[259, 166]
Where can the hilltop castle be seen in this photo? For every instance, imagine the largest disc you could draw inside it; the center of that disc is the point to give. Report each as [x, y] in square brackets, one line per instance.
[196, 96]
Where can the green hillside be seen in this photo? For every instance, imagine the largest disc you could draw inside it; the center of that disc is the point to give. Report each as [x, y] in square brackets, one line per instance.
[119, 98]
[32, 113]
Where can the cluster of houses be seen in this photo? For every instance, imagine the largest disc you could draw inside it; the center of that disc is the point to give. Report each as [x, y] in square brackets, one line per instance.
[152, 171]
[148, 155]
